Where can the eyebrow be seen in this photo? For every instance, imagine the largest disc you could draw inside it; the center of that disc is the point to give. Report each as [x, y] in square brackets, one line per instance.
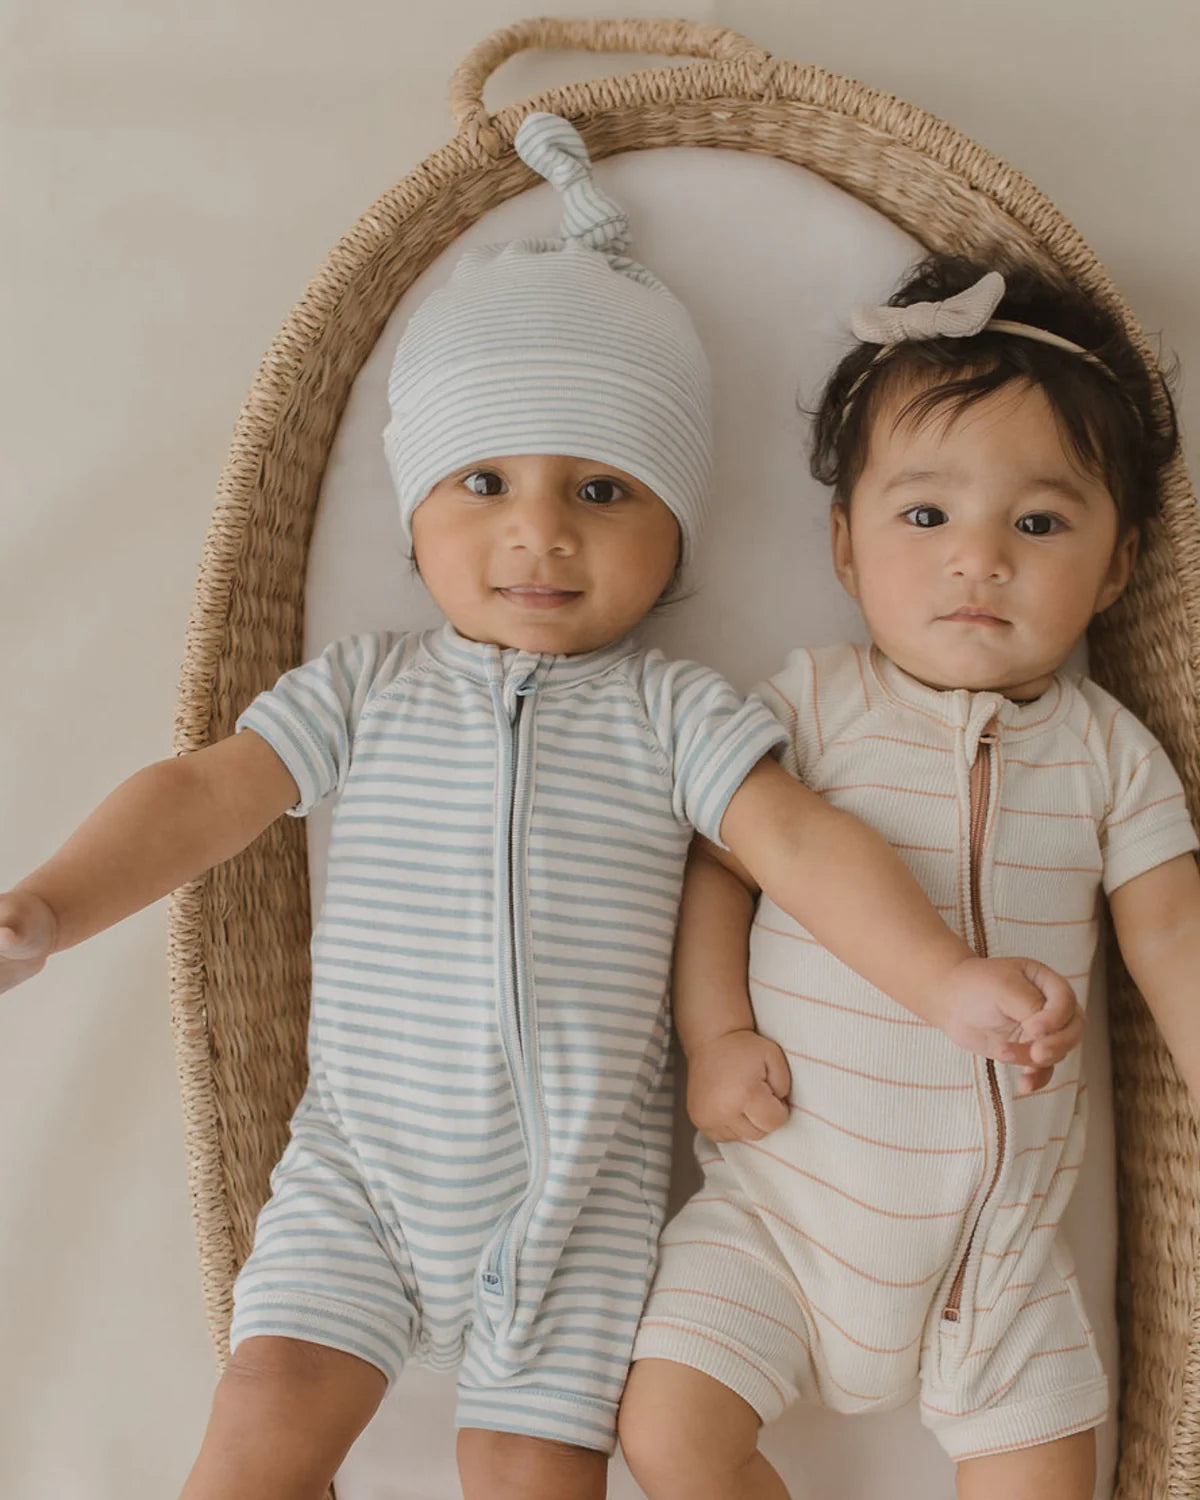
[1061, 487]
[921, 476]
[1041, 482]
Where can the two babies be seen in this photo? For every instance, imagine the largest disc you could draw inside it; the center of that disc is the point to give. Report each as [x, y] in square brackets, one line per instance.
[477, 1170]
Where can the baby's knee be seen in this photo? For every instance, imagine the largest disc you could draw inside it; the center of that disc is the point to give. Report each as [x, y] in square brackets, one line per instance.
[656, 1450]
[318, 1398]
[284, 1413]
[681, 1431]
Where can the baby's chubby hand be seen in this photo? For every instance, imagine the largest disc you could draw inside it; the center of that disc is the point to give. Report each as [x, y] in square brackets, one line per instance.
[27, 932]
[738, 1085]
[1014, 1010]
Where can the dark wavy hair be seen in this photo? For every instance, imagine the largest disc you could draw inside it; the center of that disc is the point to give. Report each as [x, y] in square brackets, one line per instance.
[1118, 422]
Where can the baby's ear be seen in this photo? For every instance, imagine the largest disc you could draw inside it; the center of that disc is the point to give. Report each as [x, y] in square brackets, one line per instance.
[1120, 566]
[843, 548]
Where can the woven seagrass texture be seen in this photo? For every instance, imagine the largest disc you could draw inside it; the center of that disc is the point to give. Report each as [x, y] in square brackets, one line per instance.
[239, 960]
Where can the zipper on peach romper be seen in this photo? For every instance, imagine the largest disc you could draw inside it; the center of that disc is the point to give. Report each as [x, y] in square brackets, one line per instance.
[980, 791]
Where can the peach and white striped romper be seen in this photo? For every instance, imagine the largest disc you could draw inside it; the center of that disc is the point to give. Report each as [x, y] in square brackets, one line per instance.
[898, 1236]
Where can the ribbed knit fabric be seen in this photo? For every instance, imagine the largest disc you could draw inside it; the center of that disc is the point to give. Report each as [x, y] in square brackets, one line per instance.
[478, 1168]
[912, 1181]
[559, 346]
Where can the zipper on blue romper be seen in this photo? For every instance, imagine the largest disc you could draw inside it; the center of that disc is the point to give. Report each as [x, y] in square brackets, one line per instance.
[498, 1276]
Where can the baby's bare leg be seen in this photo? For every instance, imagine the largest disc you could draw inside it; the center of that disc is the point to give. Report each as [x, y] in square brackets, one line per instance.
[1062, 1470]
[511, 1466]
[284, 1415]
[686, 1436]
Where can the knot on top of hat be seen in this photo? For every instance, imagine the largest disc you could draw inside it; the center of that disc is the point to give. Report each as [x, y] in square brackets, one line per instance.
[957, 317]
[555, 149]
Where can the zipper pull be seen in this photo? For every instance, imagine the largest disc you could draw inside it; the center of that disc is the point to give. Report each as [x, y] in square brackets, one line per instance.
[526, 688]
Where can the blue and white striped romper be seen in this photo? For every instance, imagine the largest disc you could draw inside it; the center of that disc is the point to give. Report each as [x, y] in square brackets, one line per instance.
[478, 1167]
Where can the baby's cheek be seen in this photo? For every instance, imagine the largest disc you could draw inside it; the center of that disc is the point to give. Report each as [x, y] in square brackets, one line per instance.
[1064, 607]
[890, 599]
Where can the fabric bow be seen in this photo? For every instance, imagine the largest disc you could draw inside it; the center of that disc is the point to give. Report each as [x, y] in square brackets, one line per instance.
[957, 317]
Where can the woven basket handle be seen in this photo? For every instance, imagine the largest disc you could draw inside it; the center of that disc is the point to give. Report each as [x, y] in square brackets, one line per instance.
[661, 37]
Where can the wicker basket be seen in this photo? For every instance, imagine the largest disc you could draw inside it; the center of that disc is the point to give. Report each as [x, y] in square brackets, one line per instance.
[239, 936]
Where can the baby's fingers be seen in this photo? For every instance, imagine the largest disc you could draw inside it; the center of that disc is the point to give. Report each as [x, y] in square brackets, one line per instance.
[734, 1127]
[17, 944]
[1059, 1007]
[1046, 1050]
[14, 969]
[765, 1111]
[1032, 1079]
[779, 1073]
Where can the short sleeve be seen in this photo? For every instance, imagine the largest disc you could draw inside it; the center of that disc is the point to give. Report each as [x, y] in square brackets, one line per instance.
[712, 736]
[1148, 821]
[310, 716]
[792, 698]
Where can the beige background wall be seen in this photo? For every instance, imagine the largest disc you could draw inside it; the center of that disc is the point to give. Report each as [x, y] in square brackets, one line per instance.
[172, 175]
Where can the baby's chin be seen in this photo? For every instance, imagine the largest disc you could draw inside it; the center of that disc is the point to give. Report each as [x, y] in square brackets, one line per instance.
[537, 637]
[1021, 681]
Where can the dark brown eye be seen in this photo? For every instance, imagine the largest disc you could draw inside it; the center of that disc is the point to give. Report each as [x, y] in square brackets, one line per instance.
[1039, 523]
[600, 491]
[483, 482]
[926, 516]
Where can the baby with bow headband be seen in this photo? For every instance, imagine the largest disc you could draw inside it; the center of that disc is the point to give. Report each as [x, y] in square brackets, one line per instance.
[889, 1230]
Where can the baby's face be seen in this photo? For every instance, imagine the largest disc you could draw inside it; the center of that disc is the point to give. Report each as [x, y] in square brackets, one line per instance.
[977, 548]
[544, 553]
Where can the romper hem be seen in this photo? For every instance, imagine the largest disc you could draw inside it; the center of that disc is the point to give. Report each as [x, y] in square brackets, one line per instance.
[314, 1320]
[1004, 1429]
[534, 1411]
[731, 1363]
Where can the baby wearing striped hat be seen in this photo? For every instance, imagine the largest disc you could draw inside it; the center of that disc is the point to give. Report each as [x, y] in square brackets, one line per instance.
[994, 449]
[477, 1170]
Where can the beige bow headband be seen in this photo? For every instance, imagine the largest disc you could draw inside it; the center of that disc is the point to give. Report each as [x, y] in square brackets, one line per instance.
[958, 317]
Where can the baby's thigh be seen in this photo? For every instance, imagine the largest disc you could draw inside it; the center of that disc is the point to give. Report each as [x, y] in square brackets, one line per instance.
[1061, 1470]
[680, 1429]
[325, 1269]
[511, 1466]
[284, 1415]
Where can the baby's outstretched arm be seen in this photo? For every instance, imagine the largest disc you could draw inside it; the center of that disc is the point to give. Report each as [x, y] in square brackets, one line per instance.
[1156, 917]
[859, 900]
[167, 824]
[738, 1081]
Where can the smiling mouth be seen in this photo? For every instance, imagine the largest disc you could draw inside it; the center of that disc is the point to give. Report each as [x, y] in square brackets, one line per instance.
[538, 595]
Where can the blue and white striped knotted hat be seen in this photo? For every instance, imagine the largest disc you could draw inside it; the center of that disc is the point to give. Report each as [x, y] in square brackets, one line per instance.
[555, 346]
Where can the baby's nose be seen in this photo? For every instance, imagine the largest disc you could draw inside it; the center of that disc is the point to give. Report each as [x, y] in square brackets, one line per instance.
[981, 556]
[541, 522]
